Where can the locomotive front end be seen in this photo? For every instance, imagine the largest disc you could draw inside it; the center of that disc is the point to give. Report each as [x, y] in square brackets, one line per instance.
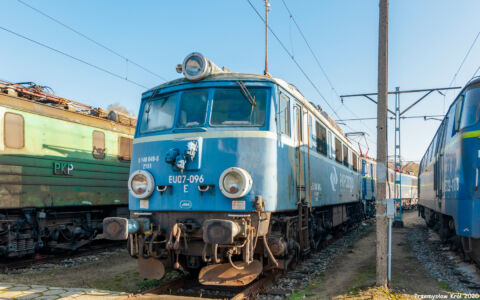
[199, 199]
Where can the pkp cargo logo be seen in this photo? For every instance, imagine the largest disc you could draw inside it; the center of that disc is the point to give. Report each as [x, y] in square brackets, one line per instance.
[334, 179]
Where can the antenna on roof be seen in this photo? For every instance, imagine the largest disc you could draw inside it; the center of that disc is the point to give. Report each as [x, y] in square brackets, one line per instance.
[267, 9]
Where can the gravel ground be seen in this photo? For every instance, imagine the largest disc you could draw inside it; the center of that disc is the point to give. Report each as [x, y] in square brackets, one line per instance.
[68, 262]
[441, 263]
[315, 265]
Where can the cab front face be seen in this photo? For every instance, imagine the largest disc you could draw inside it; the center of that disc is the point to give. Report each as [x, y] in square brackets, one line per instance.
[468, 177]
[203, 174]
[194, 143]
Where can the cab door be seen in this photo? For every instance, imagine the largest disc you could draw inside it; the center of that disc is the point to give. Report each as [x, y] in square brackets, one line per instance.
[438, 167]
[300, 163]
[303, 202]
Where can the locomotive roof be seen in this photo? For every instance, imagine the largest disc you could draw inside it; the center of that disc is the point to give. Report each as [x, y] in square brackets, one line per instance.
[37, 101]
[233, 76]
[28, 91]
[474, 81]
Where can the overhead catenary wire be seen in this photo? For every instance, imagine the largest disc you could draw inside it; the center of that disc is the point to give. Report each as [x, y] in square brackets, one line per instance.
[127, 60]
[464, 59]
[292, 17]
[297, 64]
[310, 48]
[460, 67]
[72, 57]
[293, 59]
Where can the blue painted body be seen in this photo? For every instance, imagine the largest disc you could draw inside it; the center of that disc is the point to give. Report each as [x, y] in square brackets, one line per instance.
[409, 189]
[275, 162]
[449, 173]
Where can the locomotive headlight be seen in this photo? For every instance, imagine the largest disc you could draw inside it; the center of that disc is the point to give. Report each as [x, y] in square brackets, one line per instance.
[196, 66]
[235, 182]
[141, 184]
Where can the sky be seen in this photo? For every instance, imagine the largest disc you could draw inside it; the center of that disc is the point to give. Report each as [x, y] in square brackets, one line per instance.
[427, 42]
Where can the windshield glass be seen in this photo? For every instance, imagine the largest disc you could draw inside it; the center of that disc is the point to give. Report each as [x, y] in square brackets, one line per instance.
[158, 114]
[231, 107]
[193, 108]
[471, 107]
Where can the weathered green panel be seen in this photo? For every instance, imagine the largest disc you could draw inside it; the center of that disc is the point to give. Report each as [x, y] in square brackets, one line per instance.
[48, 172]
[47, 162]
[68, 196]
[28, 177]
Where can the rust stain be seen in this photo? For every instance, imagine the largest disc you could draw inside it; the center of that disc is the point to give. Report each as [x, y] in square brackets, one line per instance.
[226, 275]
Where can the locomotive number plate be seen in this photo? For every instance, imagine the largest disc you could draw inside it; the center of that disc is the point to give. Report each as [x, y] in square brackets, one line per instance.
[185, 179]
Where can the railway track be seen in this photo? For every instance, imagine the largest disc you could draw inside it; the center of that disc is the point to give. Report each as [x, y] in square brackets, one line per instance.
[98, 246]
[187, 287]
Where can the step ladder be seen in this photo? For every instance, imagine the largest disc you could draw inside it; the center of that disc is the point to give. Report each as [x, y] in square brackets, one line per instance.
[303, 234]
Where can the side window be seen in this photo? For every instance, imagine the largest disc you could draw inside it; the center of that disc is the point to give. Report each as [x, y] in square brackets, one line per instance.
[432, 155]
[338, 150]
[345, 155]
[355, 162]
[321, 138]
[283, 118]
[299, 123]
[98, 144]
[14, 131]
[125, 148]
[329, 144]
[458, 113]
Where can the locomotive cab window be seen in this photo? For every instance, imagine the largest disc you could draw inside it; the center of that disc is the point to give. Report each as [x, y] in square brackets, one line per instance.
[98, 144]
[125, 148]
[14, 131]
[338, 150]
[234, 107]
[471, 107]
[321, 138]
[193, 108]
[283, 115]
[158, 114]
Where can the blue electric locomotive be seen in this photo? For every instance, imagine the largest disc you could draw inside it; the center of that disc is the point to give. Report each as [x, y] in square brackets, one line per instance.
[409, 190]
[233, 174]
[449, 194]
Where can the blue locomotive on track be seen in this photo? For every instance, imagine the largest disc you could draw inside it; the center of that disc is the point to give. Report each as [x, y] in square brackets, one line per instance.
[233, 174]
[449, 194]
[408, 192]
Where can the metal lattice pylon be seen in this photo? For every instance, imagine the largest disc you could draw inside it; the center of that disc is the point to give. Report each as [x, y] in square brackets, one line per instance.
[397, 186]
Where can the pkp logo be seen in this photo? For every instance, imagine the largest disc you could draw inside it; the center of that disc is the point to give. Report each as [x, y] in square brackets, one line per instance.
[186, 204]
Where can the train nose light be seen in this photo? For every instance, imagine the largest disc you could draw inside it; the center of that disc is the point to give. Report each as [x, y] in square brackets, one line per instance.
[195, 66]
[235, 182]
[141, 184]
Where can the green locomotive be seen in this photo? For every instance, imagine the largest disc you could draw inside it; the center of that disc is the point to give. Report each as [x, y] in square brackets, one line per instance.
[63, 168]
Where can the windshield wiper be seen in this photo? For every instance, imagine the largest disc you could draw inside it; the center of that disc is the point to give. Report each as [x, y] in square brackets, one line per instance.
[246, 93]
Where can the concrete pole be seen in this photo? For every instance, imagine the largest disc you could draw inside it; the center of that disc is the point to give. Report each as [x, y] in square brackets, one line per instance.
[382, 226]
